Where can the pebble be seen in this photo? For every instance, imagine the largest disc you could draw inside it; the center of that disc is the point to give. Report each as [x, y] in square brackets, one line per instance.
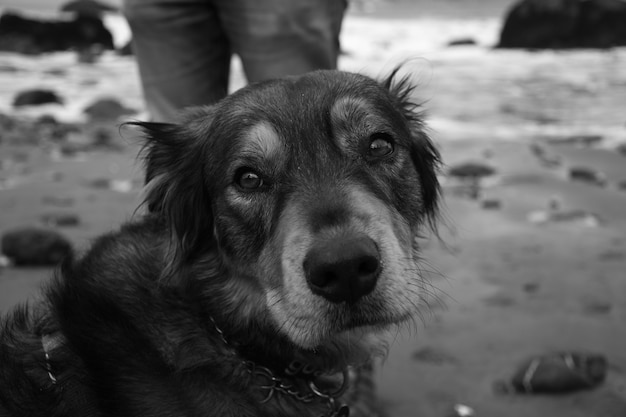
[36, 97]
[471, 170]
[491, 204]
[60, 219]
[107, 109]
[33, 246]
[587, 175]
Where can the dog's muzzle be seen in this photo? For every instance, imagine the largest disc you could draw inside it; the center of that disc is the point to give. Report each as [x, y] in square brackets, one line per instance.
[343, 268]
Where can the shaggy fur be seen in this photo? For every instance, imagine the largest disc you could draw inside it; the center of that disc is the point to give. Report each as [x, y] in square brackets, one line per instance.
[247, 201]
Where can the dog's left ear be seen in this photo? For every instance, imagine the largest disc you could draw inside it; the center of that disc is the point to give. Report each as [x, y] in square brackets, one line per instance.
[424, 154]
[175, 182]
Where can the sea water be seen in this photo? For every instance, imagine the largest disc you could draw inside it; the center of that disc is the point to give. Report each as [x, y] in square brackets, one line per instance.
[472, 91]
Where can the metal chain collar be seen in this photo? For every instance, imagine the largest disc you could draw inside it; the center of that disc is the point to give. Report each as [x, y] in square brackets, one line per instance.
[272, 384]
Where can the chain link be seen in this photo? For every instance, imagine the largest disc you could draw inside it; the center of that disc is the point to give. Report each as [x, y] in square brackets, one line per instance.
[275, 384]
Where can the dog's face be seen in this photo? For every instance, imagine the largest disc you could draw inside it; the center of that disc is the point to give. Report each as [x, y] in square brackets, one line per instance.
[313, 190]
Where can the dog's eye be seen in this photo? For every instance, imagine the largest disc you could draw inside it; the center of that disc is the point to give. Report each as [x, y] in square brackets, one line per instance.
[248, 180]
[381, 145]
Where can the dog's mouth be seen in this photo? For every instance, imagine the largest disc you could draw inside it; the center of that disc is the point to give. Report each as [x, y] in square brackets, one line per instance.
[319, 320]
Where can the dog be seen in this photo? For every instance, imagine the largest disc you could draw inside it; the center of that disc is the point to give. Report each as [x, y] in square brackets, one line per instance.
[279, 242]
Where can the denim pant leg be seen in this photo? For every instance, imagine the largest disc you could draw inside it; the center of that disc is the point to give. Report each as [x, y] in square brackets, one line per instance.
[182, 53]
[275, 38]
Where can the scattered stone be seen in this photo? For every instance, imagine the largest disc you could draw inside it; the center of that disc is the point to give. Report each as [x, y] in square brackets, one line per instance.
[31, 246]
[491, 204]
[462, 42]
[612, 255]
[559, 372]
[557, 24]
[531, 287]
[60, 219]
[599, 308]
[15, 131]
[107, 109]
[57, 72]
[565, 216]
[577, 140]
[472, 170]
[57, 201]
[34, 36]
[587, 175]
[122, 186]
[5, 262]
[432, 355]
[100, 183]
[36, 97]
[462, 410]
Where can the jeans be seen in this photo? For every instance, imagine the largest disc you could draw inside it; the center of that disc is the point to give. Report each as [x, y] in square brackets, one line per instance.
[184, 47]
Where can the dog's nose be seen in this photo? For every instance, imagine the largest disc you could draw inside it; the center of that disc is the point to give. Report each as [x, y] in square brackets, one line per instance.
[343, 269]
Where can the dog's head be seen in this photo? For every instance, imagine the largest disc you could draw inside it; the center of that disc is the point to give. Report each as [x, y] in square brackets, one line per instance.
[312, 190]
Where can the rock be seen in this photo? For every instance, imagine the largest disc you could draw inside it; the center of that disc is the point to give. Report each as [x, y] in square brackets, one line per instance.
[500, 300]
[574, 216]
[621, 149]
[435, 356]
[472, 170]
[597, 308]
[107, 109]
[36, 97]
[87, 8]
[531, 287]
[32, 246]
[43, 130]
[491, 204]
[587, 175]
[556, 24]
[462, 42]
[34, 36]
[461, 410]
[60, 219]
[559, 373]
[57, 201]
[577, 140]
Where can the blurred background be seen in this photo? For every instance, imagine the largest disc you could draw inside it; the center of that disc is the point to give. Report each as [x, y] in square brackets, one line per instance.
[526, 101]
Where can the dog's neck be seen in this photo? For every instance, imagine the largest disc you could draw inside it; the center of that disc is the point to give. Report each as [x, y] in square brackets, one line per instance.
[279, 356]
[300, 380]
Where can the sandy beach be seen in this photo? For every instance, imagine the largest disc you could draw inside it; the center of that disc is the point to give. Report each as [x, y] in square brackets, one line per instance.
[534, 263]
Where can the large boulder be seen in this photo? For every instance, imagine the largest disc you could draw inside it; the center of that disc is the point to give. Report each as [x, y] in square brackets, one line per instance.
[559, 24]
[34, 36]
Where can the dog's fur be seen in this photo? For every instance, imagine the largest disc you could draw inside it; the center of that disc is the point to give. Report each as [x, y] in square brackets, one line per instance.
[159, 318]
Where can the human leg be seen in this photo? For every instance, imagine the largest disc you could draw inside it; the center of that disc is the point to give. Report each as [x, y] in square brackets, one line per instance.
[275, 38]
[182, 53]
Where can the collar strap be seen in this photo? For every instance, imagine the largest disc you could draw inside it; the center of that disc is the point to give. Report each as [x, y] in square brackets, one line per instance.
[302, 381]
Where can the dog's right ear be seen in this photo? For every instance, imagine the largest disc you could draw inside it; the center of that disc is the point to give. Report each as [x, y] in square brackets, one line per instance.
[176, 188]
